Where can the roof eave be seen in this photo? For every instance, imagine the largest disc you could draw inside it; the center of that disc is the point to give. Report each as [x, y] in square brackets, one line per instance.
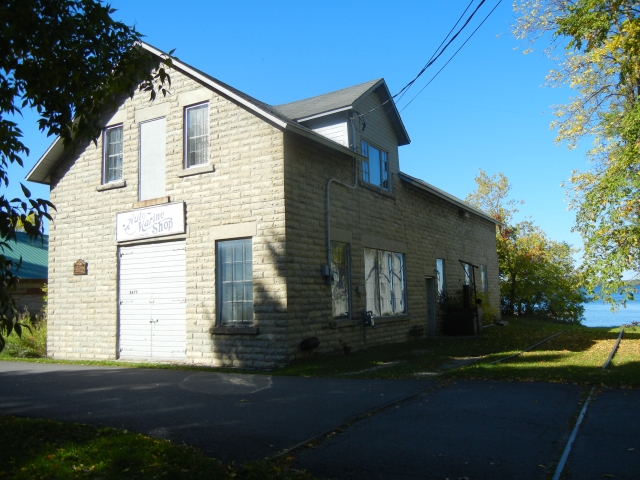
[421, 184]
[40, 173]
[401, 131]
[325, 141]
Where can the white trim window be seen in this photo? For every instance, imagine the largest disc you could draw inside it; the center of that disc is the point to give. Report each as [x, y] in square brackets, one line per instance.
[196, 135]
[376, 170]
[385, 283]
[112, 153]
[340, 280]
[468, 274]
[441, 281]
[484, 283]
[234, 279]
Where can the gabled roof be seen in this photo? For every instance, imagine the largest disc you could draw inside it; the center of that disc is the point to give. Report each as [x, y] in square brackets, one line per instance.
[345, 99]
[45, 165]
[427, 187]
[326, 103]
[35, 256]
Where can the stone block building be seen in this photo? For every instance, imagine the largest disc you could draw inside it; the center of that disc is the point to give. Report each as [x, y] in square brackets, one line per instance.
[208, 227]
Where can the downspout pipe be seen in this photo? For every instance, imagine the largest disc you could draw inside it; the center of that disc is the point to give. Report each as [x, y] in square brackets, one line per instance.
[327, 269]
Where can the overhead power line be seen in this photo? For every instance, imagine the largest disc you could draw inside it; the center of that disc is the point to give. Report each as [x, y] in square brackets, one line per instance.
[452, 57]
[430, 62]
[437, 53]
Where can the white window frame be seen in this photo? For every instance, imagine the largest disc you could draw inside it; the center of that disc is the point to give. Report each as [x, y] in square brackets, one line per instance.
[484, 279]
[385, 279]
[381, 164]
[205, 157]
[441, 280]
[106, 155]
[239, 299]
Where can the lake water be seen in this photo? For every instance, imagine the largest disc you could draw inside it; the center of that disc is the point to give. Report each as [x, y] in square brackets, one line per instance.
[598, 314]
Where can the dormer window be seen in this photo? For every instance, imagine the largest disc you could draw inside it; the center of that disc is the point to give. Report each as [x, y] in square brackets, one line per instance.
[376, 170]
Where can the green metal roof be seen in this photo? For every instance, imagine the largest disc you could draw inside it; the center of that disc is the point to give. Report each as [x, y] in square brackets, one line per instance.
[35, 255]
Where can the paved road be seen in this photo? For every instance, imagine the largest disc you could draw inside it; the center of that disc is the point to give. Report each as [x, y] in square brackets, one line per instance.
[479, 430]
[608, 442]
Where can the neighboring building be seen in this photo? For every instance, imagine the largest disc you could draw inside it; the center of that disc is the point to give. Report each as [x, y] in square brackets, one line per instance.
[32, 273]
[209, 227]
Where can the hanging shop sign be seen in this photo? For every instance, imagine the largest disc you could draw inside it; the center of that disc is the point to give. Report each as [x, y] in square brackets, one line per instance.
[156, 221]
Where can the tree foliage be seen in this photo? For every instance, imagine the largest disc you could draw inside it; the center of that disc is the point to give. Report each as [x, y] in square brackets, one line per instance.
[600, 60]
[537, 275]
[69, 61]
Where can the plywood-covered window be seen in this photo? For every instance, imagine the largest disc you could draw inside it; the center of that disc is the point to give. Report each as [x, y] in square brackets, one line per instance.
[385, 282]
[340, 280]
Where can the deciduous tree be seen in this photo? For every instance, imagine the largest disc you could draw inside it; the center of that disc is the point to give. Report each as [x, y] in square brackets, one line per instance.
[537, 275]
[599, 57]
[69, 61]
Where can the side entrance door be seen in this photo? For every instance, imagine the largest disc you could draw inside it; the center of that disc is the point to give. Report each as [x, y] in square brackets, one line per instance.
[152, 301]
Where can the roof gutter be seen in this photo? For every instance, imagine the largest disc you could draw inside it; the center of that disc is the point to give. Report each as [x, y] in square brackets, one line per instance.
[422, 185]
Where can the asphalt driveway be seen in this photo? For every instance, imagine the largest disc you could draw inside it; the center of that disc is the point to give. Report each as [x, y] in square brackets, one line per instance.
[473, 429]
[228, 416]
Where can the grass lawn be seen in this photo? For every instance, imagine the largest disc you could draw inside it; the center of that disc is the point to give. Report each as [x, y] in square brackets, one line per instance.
[575, 356]
[34, 449]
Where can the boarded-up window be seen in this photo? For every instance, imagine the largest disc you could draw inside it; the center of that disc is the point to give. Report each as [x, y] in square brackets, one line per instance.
[384, 282]
[340, 279]
[153, 147]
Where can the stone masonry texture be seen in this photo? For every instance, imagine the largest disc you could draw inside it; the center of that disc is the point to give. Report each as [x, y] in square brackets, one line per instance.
[277, 180]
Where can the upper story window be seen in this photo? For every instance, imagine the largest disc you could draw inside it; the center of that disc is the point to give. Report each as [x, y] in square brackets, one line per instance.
[196, 135]
[112, 154]
[376, 170]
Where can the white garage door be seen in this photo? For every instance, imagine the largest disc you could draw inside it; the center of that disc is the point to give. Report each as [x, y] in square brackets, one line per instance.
[152, 301]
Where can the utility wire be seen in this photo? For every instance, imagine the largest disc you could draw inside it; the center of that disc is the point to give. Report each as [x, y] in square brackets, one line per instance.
[433, 58]
[452, 57]
[430, 62]
[436, 50]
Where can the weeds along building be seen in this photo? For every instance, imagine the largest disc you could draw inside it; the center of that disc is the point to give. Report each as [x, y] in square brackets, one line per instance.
[208, 227]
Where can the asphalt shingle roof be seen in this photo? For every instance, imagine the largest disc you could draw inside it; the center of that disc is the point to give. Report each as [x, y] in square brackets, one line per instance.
[35, 255]
[325, 102]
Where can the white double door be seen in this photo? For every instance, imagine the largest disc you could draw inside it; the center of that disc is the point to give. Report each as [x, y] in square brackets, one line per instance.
[152, 301]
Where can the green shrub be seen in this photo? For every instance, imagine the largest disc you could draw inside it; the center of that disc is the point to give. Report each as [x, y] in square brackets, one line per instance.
[33, 341]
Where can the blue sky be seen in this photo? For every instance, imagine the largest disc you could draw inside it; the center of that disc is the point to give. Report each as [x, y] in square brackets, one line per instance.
[487, 109]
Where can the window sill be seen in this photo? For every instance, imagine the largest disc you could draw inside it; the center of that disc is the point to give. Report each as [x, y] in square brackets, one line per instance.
[197, 170]
[343, 322]
[376, 188]
[111, 185]
[390, 319]
[239, 330]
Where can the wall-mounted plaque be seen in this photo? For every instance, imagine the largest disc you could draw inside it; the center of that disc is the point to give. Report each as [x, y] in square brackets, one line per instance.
[149, 222]
[80, 267]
